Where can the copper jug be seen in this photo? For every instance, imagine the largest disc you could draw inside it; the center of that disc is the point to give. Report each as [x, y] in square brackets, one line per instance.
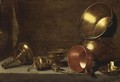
[79, 59]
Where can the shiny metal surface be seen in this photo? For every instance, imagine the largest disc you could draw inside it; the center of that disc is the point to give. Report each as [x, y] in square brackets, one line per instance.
[23, 55]
[27, 53]
[79, 59]
[95, 20]
[43, 63]
[102, 50]
[111, 68]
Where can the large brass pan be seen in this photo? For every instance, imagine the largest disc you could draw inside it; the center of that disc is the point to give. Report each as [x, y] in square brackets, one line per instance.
[95, 20]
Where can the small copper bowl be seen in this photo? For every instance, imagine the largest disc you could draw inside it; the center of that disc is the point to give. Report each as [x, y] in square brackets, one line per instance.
[79, 59]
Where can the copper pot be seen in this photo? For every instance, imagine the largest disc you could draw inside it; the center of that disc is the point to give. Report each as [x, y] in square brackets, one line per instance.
[79, 59]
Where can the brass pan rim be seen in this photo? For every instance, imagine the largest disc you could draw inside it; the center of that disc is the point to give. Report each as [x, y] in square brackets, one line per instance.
[111, 17]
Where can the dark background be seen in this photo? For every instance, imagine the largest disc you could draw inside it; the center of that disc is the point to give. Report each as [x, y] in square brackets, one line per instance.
[52, 24]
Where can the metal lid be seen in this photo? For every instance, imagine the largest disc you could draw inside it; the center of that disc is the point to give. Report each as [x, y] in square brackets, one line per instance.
[95, 20]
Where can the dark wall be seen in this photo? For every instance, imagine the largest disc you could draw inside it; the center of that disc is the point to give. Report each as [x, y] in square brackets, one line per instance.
[46, 24]
[54, 23]
[5, 28]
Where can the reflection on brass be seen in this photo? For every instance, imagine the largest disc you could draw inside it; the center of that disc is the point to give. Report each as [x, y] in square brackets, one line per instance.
[40, 63]
[55, 67]
[51, 61]
[23, 55]
[43, 63]
[79, 59]
[110, 68]
[95, 20]
[101, 50]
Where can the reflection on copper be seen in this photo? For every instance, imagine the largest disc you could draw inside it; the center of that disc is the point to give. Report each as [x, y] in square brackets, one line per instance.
[79, 59]
[83, 65]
